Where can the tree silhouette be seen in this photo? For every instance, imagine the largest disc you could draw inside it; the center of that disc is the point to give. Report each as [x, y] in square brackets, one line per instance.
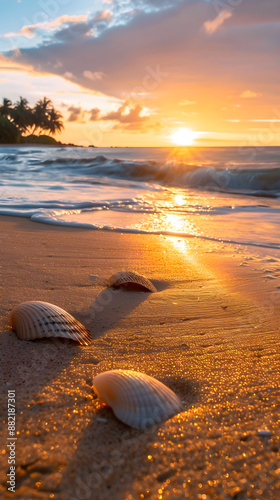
[6, 108]
[55, 123]
[41, 114]
[42, 117]
[9, 133]
[21, 115]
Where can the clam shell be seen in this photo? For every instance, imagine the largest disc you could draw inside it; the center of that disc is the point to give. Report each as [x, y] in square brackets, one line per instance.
[135, 398]
[33, 320]
[132, 280]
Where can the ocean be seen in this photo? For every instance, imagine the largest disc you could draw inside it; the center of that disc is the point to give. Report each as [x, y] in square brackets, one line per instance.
[230, 195]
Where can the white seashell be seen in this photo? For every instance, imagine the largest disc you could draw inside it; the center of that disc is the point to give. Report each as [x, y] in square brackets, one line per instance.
[32, 320]
[264, 433]
[135, 398]
[93, 277]
[132, 280]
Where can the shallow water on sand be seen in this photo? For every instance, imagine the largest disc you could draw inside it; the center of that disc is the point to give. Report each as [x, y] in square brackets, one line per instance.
[224, 194]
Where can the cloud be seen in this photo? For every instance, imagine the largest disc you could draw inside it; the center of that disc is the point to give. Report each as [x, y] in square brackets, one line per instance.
[187, 103]
[212, 26]
[29, 30]
[76, 114]
[73, 32]
[266, 120]
[175, 41]
[122, 53]
[89, 27]
[151, 5]
[73, 27]
[251, 12]
[127, 116]
[68, 75]
[248, 94]
[94, 114]
[189, 113]
[104, 15]
[97, 75]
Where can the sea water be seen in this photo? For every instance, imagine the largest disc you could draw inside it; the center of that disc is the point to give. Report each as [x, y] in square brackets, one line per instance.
[224, 194]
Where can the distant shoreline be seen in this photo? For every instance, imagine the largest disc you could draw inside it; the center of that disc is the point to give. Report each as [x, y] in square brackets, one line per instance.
[26, 145]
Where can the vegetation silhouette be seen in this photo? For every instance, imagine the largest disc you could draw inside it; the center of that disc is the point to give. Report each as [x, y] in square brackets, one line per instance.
[19, 122]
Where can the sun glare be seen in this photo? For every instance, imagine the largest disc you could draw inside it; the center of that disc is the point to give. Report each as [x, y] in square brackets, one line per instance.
[184, 137]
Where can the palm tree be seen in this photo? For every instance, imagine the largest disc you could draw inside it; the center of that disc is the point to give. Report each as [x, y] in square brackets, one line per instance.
[40, 114]
[45, 117]
[45, 103]
[21, 115]
[42, 117]
[6, 108]
[55, 123]
[9, 133]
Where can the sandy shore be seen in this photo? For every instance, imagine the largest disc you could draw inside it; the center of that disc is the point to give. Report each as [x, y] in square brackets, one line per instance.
[211, 334]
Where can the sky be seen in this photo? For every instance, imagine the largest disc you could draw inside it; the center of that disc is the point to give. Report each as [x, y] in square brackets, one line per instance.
[148, 72]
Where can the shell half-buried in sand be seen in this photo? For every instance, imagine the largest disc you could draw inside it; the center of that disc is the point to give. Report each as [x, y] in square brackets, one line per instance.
[135, 398]
[33, 320]
[131, 281]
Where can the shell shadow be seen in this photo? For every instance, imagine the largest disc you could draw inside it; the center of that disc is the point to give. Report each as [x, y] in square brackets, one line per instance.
[186, 389]
[109, 308]
[115, 455]
[38, 360]
[161, 285]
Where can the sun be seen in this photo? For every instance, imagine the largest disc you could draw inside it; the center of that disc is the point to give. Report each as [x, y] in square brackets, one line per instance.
[183, 137]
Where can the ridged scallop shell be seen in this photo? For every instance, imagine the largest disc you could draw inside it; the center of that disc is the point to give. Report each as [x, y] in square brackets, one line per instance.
[132, 280]
[33, 320]
[135, 398]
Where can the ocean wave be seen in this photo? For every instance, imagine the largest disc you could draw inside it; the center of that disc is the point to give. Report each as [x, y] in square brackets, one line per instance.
[147, 191]
[260, 181]
[256, 182]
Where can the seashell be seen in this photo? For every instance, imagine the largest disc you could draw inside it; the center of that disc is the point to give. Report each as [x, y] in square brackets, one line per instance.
[93, 277]
[135, 398]
[33, 320]
[131, 280]
[264, 433]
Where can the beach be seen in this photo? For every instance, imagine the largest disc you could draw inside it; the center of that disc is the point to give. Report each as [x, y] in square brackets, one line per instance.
[210, 333]
[140, 250]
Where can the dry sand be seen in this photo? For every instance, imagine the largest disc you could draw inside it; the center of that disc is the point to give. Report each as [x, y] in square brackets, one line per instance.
[211, 334]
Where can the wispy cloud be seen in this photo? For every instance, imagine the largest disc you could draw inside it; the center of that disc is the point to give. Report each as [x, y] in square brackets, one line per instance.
[212, 26]
[248, 94]
[68, 75]
[29, 30]
[97, 75]
[266, 120]
[187, 103]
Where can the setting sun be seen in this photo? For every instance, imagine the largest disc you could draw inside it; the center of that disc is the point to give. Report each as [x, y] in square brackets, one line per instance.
[184, 137]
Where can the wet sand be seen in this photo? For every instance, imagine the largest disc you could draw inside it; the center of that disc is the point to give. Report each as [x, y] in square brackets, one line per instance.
[211, 334]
